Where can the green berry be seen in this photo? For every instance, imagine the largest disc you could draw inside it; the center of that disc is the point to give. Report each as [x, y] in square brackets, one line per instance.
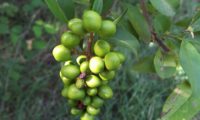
[92, 91]
[96, 65]
[93, 111]
[112, 61]
[107, 75]
[75, 93]
[101, 48]
[80, 83]
[65, 80]
[80, 59]
[97, 102]
[91, 21]
[76, 26]
[93, 81]
[108, 29]
[87, 100]
[84, 67]
[70, 40]
[70, 71]
[87, 116]
[75, 111]
[105, 92]
[61, 53]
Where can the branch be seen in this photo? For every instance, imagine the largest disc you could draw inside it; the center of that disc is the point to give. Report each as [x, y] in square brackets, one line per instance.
[89, 46]
[154, 35]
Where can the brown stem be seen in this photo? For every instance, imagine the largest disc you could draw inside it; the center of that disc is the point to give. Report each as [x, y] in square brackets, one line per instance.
[89, 46]
[154, 35]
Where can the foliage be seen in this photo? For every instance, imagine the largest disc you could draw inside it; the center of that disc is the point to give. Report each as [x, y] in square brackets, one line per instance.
[29, 85]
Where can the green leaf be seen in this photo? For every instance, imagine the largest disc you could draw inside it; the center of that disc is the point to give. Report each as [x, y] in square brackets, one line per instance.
[56, 10]
[125, 39]
[163, 7]
[50, 29]
[145, 65]
[98, 6]
[39, 44]
[37, 30]
[177, 98]
[196, 25]
[117, 20]
[189, 59]
[138, 22]
[161, 23]
[165, 66]
[68, 7]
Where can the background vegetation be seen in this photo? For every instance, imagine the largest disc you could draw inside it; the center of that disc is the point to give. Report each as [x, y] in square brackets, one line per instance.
[29, 82]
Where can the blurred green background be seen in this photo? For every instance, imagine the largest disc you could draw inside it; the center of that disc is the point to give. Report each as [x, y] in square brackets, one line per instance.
[29, 81]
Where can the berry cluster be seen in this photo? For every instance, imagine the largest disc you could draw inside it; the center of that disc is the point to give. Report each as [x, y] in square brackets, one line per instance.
[86, 80]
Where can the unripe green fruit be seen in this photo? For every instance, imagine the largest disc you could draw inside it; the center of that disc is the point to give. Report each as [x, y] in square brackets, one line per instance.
[96, 65]
[61, 53]
[97, 102]
[108, 29]
[75, 111]
[75, 93]
[93, 111]
[93, 81]
[87, 116]
[70, 71]
[80, 83]
[64, 91]
[105, 92]
[80, 59]
[112, 61]
[107, 75]
[72, 103]
[92, 91]
[104, 82]
[87, 100]
[84, 67]
[91, 21]
[76, 26]
[65, 80]
[68, 63]
[101, 48]
[70, 40]
[121, 56]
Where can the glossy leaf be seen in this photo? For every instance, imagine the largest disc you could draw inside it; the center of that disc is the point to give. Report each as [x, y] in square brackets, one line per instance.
[126, 39]
[161, 23]
[177, 98]
[67, 7]
[165, 65]
[98, 6]
[56, 10]
[163, 7]
[138, 22]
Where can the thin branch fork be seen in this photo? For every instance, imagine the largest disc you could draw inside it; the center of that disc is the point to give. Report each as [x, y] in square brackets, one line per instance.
[154, 35]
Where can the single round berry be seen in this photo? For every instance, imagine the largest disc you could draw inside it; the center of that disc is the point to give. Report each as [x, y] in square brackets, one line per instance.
[93, 81]
[61, 53]
[93, 111]
[76, 26]
[92, 91]
[101, 48]
[70, 71]
[64, 92]
[75, 111]
[80, 59]
[75, 93]
[96, 65]
[70, 40]
[84, 67]
[65, 80]
[87, 100]
[97, 102]
[112, 61]
[108, 29]
[91, 21]
[105, 92]
[107, 75]
[87, 116]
